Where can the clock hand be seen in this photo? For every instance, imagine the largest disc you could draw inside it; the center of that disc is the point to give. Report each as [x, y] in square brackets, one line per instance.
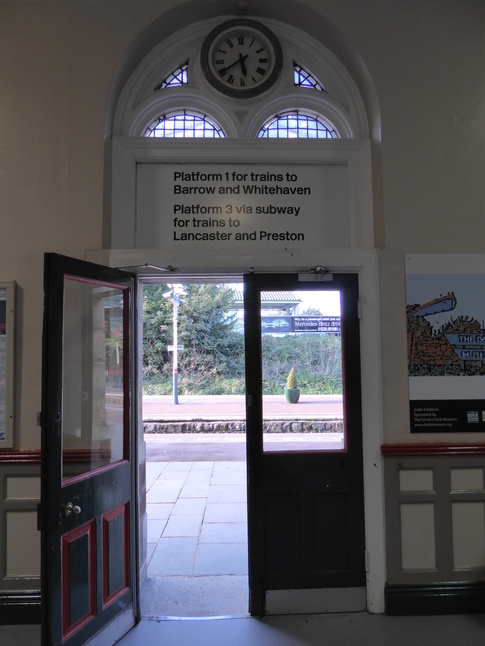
[241, 59]
[243, 66]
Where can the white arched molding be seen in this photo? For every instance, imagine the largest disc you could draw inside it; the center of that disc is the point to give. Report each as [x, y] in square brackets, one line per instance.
[140, 103]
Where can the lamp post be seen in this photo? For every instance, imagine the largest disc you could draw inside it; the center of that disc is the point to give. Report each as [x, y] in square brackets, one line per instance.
[174, 295]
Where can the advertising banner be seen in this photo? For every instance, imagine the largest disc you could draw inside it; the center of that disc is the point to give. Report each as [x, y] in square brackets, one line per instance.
[446, 343]
[301, 325]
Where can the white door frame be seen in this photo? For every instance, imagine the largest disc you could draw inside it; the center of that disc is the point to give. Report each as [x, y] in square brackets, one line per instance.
[366, 264]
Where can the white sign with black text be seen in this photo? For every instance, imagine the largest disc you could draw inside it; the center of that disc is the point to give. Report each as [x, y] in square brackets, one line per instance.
[249, 208]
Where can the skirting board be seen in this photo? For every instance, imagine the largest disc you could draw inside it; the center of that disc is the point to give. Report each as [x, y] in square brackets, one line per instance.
[20, 607]
[435, 599]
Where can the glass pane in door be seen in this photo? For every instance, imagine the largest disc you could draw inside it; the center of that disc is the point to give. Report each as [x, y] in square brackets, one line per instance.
[93, 376]
[302, 371]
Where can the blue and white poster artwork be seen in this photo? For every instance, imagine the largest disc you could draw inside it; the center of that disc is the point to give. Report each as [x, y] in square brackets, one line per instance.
[445, 308]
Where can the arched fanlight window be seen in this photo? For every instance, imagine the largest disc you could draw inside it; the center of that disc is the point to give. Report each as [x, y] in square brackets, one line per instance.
[171, 79]
[184, 124]
[297, 125]
[176, 78]
[303, 78]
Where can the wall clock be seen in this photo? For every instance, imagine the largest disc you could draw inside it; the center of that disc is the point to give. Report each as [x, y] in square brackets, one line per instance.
[241, 58]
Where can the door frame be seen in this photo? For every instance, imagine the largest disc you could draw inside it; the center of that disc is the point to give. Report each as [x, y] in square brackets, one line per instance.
[364, 262]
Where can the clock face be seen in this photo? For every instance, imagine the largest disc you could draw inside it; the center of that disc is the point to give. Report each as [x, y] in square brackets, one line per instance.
[241, 58]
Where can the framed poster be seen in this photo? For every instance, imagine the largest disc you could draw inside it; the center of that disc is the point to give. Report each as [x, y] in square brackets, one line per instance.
[7, 313]
[445, 307]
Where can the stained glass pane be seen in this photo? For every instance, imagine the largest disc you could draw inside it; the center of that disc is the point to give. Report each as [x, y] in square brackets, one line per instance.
[176, 78]
[184, 124]
[303, 78]
[297, 125]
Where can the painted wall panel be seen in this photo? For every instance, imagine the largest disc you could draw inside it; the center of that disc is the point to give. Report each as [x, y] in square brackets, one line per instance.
[416, 480]
[21, 531]
[466, 479]
[468, 534]
[418, 536]
[22, 488]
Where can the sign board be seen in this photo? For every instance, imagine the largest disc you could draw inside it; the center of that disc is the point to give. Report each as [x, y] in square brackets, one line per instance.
[240, 208]
[301, 325]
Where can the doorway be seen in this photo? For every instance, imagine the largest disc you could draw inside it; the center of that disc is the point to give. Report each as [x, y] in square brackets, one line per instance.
[177, 511]
[266, 548]
[194, 424]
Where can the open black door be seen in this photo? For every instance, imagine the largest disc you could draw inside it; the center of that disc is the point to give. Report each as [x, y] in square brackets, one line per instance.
[87, 513]
[305, 502]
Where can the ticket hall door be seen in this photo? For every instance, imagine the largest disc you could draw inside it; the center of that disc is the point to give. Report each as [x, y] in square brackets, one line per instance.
[305, 497]
[87, 512]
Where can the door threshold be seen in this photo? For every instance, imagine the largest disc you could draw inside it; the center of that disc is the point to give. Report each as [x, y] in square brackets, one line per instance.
[201, 618]
[315, 601]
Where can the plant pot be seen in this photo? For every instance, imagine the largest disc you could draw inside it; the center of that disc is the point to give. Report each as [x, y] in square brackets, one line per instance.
[292, 395]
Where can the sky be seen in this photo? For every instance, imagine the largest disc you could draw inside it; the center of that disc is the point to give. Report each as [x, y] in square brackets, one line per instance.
[327, 302]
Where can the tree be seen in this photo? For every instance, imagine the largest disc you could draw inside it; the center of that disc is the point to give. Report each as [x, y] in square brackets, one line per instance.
[157, 329]
[206, 322]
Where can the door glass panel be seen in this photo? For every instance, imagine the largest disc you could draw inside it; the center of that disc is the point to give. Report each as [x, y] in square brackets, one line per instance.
[301, 331]
[92, 377]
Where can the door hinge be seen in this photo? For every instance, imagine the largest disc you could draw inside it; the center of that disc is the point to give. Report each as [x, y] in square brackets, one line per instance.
[359, 309]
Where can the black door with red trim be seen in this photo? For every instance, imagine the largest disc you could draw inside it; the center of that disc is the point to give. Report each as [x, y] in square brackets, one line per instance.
[87, 505]
[306, 500]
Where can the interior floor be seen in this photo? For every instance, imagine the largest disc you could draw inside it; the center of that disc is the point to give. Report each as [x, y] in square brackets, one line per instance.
[359, 629]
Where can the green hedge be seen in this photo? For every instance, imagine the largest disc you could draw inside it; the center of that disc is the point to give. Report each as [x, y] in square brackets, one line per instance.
[316, 359]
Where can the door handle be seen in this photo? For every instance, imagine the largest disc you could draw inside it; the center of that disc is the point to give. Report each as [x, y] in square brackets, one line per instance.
[71, 508]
